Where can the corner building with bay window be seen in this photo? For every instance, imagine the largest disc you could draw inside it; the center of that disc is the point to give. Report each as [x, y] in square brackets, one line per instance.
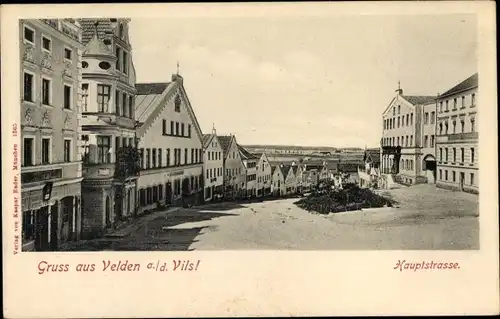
[51, 173]
[110, 167]
[170, 145]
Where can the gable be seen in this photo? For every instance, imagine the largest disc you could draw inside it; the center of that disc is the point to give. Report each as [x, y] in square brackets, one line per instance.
[398, 101]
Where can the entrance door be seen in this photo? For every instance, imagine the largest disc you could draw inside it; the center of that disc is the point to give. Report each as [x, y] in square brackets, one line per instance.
[54, 217]
[462, 180]
[42, 229]
[168, 193]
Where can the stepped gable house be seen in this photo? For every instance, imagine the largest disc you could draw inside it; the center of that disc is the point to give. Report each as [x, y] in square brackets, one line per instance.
[108, 124]
[170, 145]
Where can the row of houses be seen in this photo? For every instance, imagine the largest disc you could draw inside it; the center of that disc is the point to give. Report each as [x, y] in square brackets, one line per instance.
[429, 139]
[98, 148]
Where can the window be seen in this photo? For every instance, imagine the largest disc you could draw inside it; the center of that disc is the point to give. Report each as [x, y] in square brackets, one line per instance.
[463, 102]
[432, 140]
[103, 147]
[399, 121]
[462, 126]
[45, 151]
[192, 155]
[29, 35]
[411, 140]
[446, 109]
[28, 87]
[393, 111]
[440, 174]
[85, 96]
[473, 99]
[148, 157]
[172, 127]
[67, 97]
[189, 130]
[153, 164]
[406, 141]
[85, 65]
[185, 156]
[164, 127]
[472, 178]
[440, 106]
[454, 126]
[446, 175]
[426, 141]
[446, 128]
[117, 103]
[446, 154]
[472, 125]
[462, 155]
[399, 109]
[455, 103]
[125, 105]
[454, 155]
[177, 103]
[411, 119]
[118, 58]
[131, 107]
[407, 119]
[182, 129]
[125, 62]
[441, 154]
[104, 65]
[28, 151]
[433, 117]
[472, 155]
[67, 54]
[46, 44]
[177, 128]
[168, 157]
[453, 174]
[103, 94]
[67, 150]
[426, 118]
[46, 91]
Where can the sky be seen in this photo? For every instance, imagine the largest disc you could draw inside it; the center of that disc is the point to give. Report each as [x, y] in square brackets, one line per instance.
[311, 81]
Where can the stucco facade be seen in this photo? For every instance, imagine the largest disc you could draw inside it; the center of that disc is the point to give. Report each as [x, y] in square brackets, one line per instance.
[278, 187]
[264, 176]
[457, 140]
[170, 144]
[234, 169]
[108, 124]
[213, 166]
[408, 139]
[51, 172]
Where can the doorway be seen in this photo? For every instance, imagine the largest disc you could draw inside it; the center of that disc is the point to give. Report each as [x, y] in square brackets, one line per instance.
[54, 218]
[42, 229]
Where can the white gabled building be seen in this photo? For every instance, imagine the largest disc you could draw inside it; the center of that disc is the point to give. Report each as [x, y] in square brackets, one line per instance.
[213, 166]
[250, 162]
[264, 175]
[290, 179]
[170, 143]
[278, 181]
[234, 169]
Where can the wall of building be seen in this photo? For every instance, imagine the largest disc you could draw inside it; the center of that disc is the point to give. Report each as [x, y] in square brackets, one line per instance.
[264, 174]
[213, 167]
[234, 169]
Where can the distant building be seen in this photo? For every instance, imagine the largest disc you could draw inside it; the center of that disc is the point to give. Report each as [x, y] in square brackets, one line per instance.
[213, 166]
[457, 141]
[408, 139]
[234, 168]
[264, 175]
[51, 169]
[250, 162]
[278, 181]
[170, 146]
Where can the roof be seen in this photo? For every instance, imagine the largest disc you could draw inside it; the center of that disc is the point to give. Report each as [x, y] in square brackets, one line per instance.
[469, 83]
[295, 168]
[285, 169]
[97, 47]
[348, 167]
[104, 29]
[373, 154]
[313, 166]
[225, 141]
[332, 164]
[245, 154]
[419, 99]
[206, 139]
[147, 96]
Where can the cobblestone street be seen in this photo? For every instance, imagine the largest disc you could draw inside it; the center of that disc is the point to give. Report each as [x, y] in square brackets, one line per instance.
[425, 218]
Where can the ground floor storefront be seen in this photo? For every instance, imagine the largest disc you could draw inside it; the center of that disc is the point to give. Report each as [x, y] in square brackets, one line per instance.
[172, 187]
[213, 192]
[51, 215]
[105, 204]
